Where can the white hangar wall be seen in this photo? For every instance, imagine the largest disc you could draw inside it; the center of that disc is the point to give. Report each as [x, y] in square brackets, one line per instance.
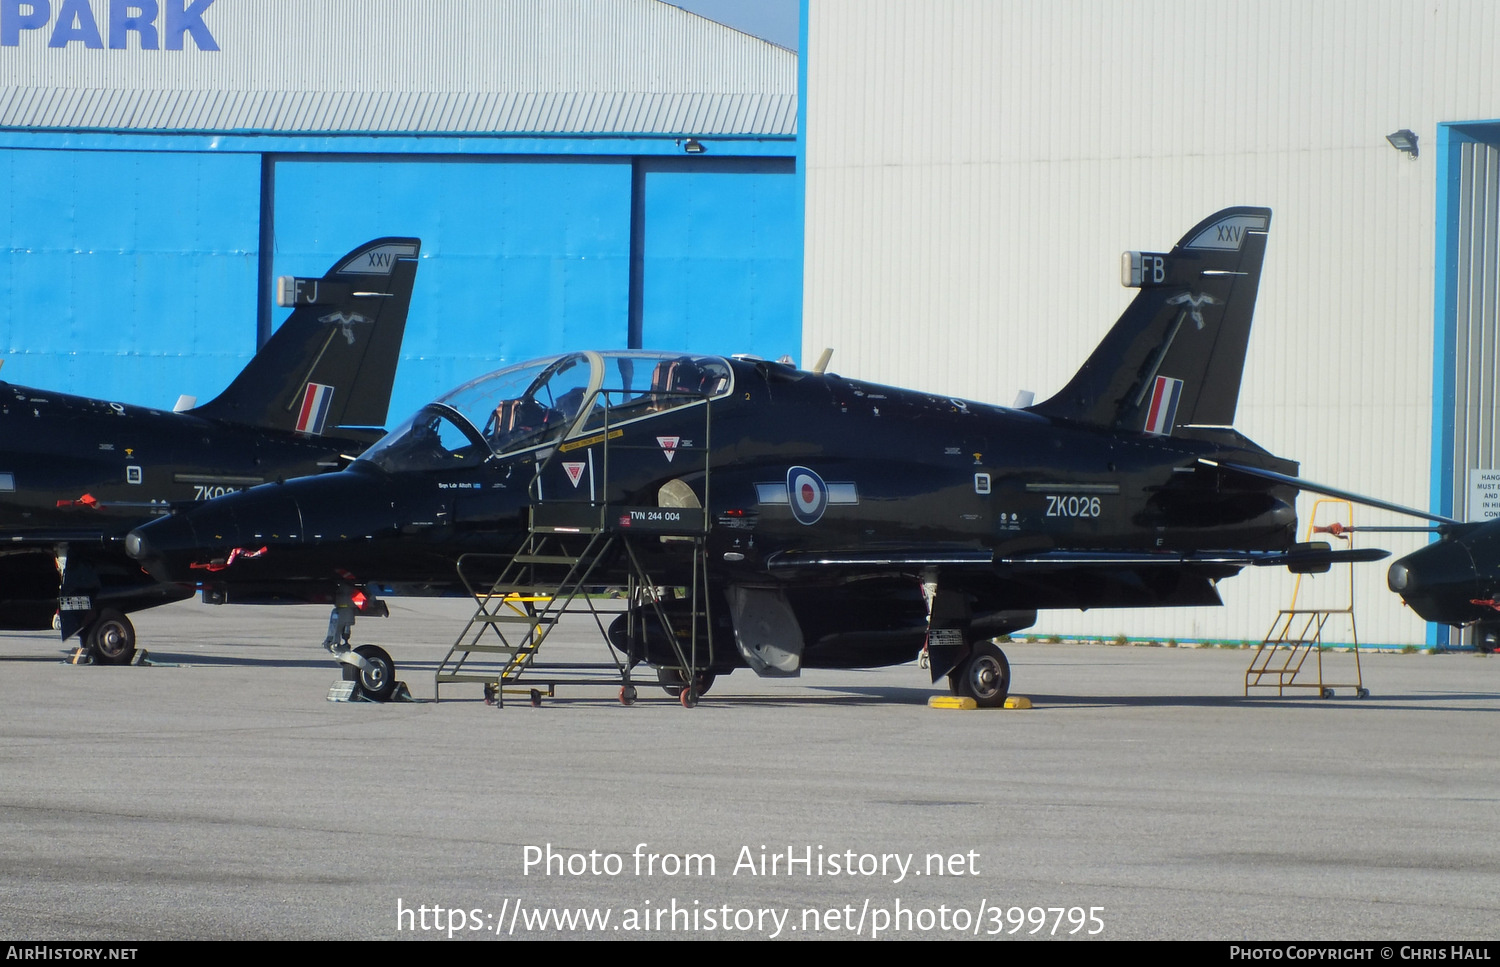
[974, 170]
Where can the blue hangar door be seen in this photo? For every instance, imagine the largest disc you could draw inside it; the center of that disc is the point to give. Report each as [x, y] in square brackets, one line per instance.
[128, 275]
[520, 257]
[529, 256]
[719, 248]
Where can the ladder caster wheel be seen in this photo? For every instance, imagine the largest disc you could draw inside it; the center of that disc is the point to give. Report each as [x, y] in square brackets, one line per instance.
[1362, 693]
[536, 698]
[1328, 693]
[489, 695]
[627, 695]
[688, 697]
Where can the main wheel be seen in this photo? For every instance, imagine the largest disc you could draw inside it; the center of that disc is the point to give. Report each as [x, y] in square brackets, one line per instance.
[984, 676]
[672, 680]
[111, 638]
[378, 680]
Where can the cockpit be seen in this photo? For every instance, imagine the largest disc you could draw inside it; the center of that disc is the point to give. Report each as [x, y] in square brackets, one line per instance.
[540, 402]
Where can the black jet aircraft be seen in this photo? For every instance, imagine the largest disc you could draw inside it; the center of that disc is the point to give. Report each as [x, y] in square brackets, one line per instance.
[1455, 580]
[843, 523]
[77, 474]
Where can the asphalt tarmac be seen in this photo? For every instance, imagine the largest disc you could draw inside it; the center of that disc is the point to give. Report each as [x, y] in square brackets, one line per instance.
[218, 795]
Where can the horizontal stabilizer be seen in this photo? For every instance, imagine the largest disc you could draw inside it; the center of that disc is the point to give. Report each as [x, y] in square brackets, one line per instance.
[1326, 491]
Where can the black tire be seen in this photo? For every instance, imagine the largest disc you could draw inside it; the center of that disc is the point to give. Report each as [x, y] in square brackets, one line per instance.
[672, 680]
[378, 681]
[1486, 637]
[110, 638]
[984, 676]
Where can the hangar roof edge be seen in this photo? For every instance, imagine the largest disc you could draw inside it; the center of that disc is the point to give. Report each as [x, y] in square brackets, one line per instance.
[378, 66]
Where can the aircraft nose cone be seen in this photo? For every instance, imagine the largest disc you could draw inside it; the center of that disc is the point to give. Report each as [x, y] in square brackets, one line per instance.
[1397, 578]
[1439, 582]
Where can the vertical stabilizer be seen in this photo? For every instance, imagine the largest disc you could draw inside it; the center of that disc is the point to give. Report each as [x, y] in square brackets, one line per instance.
[1176, 356]
[333, 361]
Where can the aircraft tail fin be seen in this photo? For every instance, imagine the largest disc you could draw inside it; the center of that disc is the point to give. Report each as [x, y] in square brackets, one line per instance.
[333, 361]
[1176, 356]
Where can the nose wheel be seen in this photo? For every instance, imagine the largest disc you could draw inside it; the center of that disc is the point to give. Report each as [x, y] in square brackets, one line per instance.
[376, 676]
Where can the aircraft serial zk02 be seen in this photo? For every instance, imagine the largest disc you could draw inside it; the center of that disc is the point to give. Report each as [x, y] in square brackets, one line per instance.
[80, 473]
[833, 523]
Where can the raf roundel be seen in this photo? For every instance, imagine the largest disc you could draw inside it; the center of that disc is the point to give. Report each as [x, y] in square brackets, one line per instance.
[808, 495]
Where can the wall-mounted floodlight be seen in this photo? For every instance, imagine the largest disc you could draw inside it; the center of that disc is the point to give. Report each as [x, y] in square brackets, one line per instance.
[694, 146]
[1404, 141]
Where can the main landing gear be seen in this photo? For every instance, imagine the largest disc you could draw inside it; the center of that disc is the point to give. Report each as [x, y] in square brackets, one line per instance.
[110, 638]
[368, 667]
[976, 667]
[673, 679]
[983, 676]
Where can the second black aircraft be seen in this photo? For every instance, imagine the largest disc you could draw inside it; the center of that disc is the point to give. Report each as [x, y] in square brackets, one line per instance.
[834, 523]
[78, 474]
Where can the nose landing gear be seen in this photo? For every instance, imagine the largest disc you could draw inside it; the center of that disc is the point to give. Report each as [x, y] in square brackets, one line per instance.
[369, 672]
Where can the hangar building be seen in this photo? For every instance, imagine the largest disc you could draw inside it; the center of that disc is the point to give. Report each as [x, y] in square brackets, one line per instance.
[947, 214]
[603, 173]
[975, 169]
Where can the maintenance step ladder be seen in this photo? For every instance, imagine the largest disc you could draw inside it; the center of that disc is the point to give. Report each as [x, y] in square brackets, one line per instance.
[1298, 633]
[574, 555]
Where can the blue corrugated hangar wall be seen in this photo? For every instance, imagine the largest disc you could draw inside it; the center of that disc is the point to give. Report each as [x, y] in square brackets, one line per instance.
[140, 267]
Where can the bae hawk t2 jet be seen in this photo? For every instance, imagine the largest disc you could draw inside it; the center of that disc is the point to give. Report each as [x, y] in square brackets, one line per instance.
[833, 522]
[77, 474]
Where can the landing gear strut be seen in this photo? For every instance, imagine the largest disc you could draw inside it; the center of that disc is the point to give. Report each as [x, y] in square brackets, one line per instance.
[976, 669]
[1486, 637]
[369, 666]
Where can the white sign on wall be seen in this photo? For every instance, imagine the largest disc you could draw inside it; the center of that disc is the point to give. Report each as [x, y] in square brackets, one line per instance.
[1484, 495]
